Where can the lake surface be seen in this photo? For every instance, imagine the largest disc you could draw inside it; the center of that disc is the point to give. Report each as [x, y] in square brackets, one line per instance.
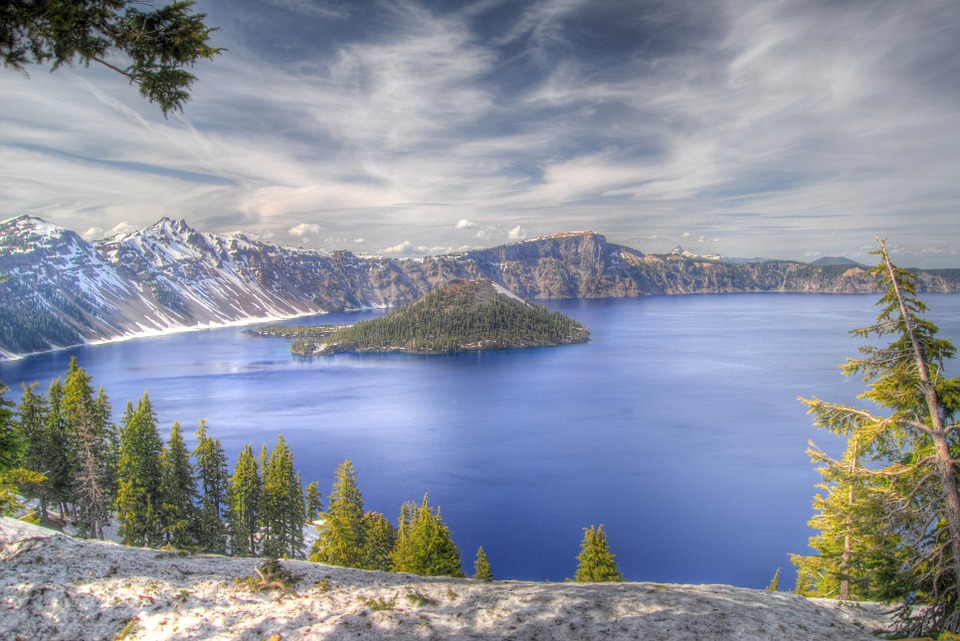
[676, 426]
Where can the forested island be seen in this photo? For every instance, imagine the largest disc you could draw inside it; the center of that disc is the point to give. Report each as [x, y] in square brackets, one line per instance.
[459, 316]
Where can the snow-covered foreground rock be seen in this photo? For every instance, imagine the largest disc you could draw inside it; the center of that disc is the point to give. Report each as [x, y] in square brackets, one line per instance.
[56, 587]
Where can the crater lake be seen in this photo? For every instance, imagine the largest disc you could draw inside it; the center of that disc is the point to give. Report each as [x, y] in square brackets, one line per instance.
[677, 426]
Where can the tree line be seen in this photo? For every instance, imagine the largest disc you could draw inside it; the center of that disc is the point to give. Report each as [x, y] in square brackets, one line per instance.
[63, 451]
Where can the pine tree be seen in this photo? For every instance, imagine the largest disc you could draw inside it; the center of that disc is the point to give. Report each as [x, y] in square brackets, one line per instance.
[282, 514]
[910, 451]
[32, 424]
[104, 418]
[60, 449]
[211, 468]
[12, 447]
[139, 476]
[481, 566]
[313, 501]
[88, 433]
[425, 544]
[243, 498]
[596, 562]
[178, 489]
[402, 555]
[341, 534]
[379, 538]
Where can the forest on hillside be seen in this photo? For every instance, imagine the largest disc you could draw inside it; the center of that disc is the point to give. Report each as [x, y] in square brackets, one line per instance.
[458, 316]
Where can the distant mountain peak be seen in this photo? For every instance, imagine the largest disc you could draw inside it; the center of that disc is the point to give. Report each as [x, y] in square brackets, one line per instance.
[824, 261]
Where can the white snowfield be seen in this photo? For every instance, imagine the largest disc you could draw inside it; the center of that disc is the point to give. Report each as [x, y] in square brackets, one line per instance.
[59, 588]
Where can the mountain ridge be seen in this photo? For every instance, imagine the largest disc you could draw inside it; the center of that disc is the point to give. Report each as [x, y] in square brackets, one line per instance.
[63, 290]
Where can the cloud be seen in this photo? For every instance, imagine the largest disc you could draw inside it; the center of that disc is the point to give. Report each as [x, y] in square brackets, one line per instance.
[304, 229]
[517, 233]
[639, 120]
[404, 247]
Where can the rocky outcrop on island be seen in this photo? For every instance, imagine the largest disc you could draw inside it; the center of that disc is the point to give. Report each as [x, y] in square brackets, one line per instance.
[457, 316]
[58, 588]
[61, 290]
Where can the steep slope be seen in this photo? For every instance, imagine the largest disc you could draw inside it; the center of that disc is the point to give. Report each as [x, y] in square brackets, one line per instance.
[65, 291]
[62, 589]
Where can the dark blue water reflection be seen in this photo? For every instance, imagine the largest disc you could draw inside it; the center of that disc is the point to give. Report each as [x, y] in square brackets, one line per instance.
[677, 426]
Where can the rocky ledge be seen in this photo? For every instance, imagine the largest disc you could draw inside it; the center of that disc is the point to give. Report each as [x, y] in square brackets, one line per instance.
[59, 588]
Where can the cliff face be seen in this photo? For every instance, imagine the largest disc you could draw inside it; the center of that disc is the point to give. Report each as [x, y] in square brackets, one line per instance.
[64, 291]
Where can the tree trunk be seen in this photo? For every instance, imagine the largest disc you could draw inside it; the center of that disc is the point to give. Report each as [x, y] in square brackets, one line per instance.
[944, 459]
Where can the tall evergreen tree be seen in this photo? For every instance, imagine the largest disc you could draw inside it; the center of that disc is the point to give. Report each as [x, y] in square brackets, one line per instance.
[596, 562]
[243, 498]
[282, 514]
[212, 473]
[104, 418]
[139, 476]
[481, 566]
[425, 544]
[379, 538]
[32, 426]
[88, 433]
[313, 501]
[341, 535]
[12, 446]
[61, 451]
[178, 490]
[911, 450]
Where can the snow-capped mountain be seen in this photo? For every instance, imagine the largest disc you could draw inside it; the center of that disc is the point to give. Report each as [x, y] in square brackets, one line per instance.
[61, 290]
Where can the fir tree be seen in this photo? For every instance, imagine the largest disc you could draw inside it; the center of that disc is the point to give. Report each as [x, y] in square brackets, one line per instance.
[178, 490]
[104, 418]
[341, 534]
[60, 452]
[32, 426]
[596, 562]
[379, 538]
[243, 498]
[481, 566]
[910, 451]
[12, 447]
[425, 544]
[88, 433]
[282, 515]
[313, 501]
[139, 476]
[211, 468]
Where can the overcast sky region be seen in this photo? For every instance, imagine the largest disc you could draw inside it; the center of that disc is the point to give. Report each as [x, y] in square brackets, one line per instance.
[780, 128]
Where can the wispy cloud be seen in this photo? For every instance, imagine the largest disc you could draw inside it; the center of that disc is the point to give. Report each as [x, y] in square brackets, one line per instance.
[772, 128]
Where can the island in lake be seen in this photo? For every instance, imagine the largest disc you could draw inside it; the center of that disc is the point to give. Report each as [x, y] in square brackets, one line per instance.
[459, 316]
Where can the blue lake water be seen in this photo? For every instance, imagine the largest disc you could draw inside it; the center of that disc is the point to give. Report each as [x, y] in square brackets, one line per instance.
[676, 426]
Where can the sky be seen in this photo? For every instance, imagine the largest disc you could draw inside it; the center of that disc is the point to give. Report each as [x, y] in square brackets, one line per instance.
[788, 129]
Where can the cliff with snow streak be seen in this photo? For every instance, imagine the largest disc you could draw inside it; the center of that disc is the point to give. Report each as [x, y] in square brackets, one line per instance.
[62, 290]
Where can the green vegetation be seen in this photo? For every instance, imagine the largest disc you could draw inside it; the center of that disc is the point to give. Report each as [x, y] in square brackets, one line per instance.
[889, 513]
[150, 48]
[481, 566]
[596, 561]
[458, 316]
[316, 332]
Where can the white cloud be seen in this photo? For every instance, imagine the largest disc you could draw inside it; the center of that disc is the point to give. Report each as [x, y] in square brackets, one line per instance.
[517, 233]
[402, 248]
[304, 229]
[742, 132]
